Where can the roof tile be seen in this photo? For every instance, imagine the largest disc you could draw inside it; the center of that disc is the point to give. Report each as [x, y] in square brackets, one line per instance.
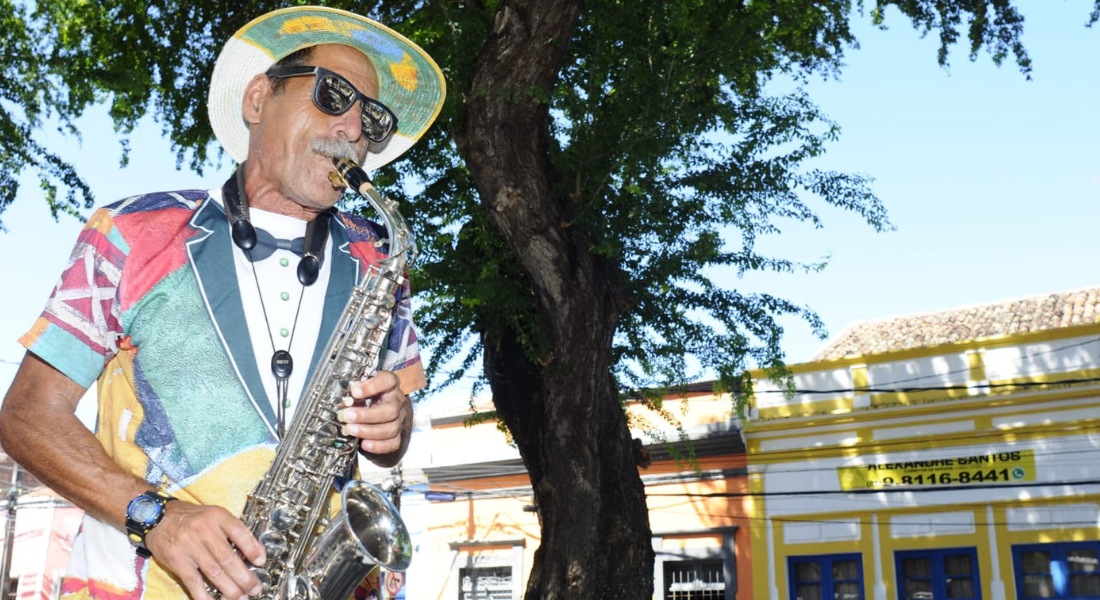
[1006, 317]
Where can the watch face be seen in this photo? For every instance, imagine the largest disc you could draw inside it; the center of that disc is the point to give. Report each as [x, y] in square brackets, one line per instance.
[144, 509]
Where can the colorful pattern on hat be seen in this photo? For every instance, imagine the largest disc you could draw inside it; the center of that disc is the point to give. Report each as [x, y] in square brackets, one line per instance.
[410, 83]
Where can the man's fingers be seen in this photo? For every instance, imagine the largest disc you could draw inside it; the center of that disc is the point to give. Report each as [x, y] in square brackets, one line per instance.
[390, 430]
[384, 424]
[195, 583]
[225, 570]
[223, 566]
[379, 413]
[199, 571]
[247, 544]
[380, 446]
[383, 382]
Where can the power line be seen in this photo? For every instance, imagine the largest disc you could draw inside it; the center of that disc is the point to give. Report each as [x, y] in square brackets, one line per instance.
[863, 521]
[1021, 359]
[490, 473]
[900, 489]
[1037, 452]
[886, 447]
[479, 471]
[910, 389]
[934, 388]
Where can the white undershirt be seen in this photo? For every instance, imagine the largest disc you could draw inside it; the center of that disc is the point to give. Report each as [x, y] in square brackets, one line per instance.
[280, 289]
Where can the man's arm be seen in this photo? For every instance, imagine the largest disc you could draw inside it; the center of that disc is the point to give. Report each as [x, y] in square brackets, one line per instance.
[40, 430]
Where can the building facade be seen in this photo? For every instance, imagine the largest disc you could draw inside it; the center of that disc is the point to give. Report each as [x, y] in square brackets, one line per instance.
[950, 454]
[953, 454]
[476, 530]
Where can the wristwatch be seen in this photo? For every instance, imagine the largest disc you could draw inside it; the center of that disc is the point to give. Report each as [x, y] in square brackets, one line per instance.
[142, 515]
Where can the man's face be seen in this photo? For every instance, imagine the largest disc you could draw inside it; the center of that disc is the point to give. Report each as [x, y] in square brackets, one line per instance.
[286, 125]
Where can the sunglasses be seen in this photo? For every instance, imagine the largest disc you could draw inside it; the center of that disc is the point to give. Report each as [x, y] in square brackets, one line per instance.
[334, 95]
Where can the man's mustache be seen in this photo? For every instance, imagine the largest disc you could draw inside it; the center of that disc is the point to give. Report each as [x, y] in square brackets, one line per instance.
[335, 148]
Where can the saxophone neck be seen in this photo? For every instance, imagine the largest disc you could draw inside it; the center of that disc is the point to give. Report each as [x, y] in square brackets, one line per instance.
[401, 240]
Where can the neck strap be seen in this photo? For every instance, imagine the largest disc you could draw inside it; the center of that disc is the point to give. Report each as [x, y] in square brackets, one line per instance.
[244, 234]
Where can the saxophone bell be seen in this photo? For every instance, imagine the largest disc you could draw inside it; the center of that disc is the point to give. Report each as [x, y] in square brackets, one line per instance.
[367, 532]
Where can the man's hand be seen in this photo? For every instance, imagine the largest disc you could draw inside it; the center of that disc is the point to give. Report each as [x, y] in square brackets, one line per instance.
[197, 544]
[384, 426]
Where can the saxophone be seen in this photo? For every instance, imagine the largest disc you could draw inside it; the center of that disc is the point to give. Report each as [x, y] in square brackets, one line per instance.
[310, 555]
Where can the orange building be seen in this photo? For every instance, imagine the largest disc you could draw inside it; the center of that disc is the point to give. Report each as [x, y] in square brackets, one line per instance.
[477, 538]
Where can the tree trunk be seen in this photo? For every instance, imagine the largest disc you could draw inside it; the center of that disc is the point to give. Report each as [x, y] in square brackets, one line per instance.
[564, 412]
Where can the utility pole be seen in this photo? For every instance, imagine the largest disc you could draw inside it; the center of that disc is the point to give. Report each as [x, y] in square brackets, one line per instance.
[392, 581]
[9, 534]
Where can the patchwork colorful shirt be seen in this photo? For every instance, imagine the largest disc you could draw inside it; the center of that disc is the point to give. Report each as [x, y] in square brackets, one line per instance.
[149, 307]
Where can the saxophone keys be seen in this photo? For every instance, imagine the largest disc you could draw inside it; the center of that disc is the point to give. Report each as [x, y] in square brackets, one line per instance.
[264, 577]
[275, 544]
[282, 519]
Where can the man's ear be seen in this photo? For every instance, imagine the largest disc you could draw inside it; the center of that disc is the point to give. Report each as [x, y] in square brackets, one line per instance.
[254, 95]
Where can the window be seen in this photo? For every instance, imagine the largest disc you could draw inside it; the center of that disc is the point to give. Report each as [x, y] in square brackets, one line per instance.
[695, 565]
[1069, 570]
[486, 583]
[694, 580]
[485, 570]
[938, 574]
[831, 577]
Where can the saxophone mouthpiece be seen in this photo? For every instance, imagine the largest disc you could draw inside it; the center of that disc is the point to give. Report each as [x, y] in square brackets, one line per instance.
[353, 175]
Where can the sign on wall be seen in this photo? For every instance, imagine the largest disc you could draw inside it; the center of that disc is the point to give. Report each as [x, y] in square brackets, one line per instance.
[984, 469]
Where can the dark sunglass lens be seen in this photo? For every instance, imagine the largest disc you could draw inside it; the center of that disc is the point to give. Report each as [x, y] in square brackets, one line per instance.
[377, 120]
[334, 95]
[374, 110]
[373, 132]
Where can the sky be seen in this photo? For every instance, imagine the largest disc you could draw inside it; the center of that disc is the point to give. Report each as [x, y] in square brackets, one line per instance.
[992, 182]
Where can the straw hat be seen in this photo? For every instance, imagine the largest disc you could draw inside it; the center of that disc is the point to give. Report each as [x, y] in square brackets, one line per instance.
[409, 81]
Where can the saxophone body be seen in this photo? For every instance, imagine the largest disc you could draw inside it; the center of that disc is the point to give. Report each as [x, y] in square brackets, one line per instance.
[310, 554]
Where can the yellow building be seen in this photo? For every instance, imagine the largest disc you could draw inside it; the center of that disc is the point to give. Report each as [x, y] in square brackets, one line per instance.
[952, 454]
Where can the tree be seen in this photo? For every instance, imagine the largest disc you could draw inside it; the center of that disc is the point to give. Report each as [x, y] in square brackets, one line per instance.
[593, 161]
[30, 94]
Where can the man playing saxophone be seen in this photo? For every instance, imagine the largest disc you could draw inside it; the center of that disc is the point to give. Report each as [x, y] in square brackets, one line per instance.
[201, 313]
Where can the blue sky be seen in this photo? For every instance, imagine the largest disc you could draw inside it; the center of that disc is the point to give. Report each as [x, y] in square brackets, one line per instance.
[992, 181]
